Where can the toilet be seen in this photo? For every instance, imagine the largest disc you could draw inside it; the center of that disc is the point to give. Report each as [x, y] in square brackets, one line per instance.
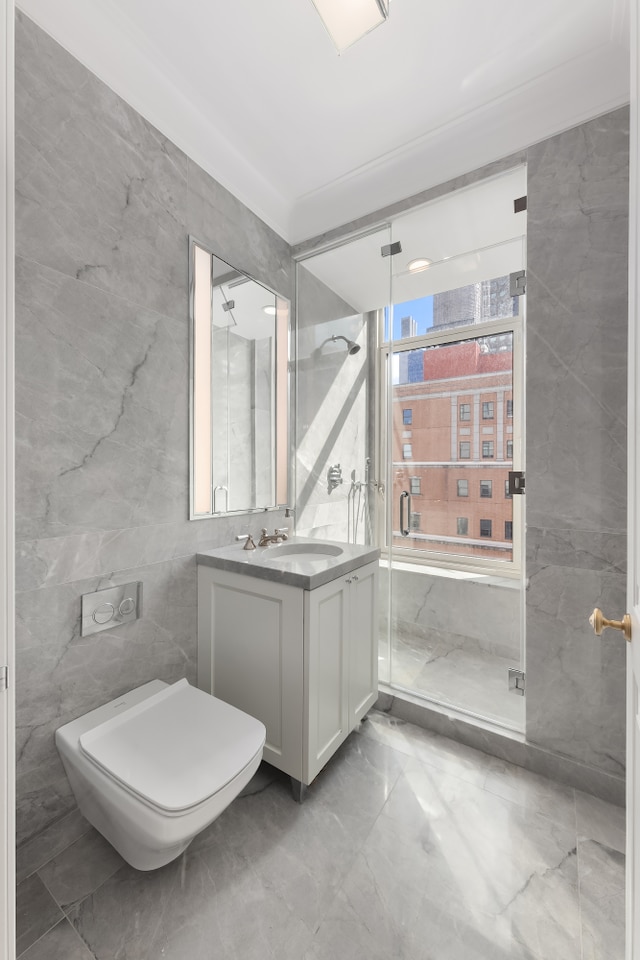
[153, 768]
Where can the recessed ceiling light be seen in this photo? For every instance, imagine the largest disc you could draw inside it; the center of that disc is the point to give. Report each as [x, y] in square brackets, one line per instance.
[348, 22]
[415, 266]
[270, 310]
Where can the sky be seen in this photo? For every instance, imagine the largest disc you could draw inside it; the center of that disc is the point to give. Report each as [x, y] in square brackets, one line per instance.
[421, 310]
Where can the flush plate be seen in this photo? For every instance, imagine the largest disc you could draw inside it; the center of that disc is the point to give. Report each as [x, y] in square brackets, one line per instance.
[112, 607]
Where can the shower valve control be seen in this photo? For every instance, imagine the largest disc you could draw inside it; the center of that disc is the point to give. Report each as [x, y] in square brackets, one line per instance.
[112, 607]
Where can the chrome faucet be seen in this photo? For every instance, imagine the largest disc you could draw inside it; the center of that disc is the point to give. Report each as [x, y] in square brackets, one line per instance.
[277, 537]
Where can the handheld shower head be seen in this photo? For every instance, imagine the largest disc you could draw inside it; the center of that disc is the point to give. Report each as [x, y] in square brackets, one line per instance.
[352, 346]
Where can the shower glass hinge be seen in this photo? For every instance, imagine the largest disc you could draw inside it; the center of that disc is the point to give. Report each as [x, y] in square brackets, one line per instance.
[390, 249]
[517, 681]
[516, 482]
[4, 679]
[517, 283]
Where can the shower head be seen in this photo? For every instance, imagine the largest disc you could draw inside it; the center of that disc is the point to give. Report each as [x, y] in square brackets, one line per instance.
[352, 346]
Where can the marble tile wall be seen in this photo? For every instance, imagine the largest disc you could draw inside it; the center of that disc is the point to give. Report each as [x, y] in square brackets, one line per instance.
[576, 438]
[333, 399]
[104, 207]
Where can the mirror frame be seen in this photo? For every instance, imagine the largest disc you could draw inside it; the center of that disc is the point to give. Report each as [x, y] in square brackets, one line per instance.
[281, 397]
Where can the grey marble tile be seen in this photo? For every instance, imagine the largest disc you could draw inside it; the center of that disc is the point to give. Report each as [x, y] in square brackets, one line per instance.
[443, 843]
[211, 899]
[80, 869]
[447, 755]
[602, 901]
[580, 549]
[36, 912]
[506, 746]
[538, 794]
[235, 234]
[600, 821]
[59, 943]
[84, 157]
[365, 924]
[62, 675]
[575, 680]
[53, 840]
[102, 390]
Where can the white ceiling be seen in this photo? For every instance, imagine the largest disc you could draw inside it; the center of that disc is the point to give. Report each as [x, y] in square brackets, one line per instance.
[254, 91]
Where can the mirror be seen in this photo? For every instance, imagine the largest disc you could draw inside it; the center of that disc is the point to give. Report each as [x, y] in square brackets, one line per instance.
[239, 389]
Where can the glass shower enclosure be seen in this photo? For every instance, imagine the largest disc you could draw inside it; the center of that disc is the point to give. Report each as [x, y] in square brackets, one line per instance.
[409, 435]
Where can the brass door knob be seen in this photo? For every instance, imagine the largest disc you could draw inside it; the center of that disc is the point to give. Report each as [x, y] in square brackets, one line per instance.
[599, 622]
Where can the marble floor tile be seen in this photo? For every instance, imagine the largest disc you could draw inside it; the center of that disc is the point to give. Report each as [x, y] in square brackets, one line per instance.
[409, 846]
[482, 860]
[445, 754]
[80, 869]
[473, 680]
[602, 901]
[601, 821]
[56, 838]
[530, 790]
[36, 912]
[60, 943]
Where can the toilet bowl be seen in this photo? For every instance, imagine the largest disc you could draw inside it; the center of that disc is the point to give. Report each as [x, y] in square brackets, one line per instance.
[153, 768]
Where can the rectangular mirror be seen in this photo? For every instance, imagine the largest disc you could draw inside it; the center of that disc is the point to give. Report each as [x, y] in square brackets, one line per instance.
[239, 397]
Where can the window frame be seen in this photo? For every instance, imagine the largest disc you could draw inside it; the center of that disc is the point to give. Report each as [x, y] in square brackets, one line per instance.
[391, 553]
[485, 406]
[405, 411]
[491, 444]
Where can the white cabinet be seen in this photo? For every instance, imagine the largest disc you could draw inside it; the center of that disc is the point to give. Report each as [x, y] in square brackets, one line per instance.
[305, 662]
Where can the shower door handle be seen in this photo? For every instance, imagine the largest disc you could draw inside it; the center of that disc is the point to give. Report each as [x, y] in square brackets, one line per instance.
[404, 529]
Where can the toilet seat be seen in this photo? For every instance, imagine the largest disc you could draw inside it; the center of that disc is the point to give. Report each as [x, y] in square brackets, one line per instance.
[175, 749]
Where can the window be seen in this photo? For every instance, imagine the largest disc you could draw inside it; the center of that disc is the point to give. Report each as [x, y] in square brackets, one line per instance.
[508, 495]
[485, 528]
[508, 529]
[509, 408]
[415, 521]
[509, 449]
[462, 526]
[487, 410]
[407, 451]
[465, 411]
[487, 449]
[486, 488]
[407, 416]
[463, 488]
[465, 449]
[414, 485]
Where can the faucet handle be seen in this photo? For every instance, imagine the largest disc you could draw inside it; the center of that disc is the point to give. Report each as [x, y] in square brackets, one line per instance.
[282, 532]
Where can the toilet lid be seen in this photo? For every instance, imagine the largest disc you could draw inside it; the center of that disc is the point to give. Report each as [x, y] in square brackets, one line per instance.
[177, 747]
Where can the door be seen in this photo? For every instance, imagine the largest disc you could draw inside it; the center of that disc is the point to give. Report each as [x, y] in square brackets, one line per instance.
[7, 723]
[452, 361]
[633, 518]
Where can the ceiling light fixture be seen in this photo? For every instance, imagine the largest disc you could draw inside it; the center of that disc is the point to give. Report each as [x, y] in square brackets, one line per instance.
[415, 266]
[349, 20]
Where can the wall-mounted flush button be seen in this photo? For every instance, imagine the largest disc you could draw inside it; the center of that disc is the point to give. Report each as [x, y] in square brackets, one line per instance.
[104, 613]
[112, 607]
[127, 606]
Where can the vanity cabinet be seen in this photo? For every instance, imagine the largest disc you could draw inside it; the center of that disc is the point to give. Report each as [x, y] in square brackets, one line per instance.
[304, 662]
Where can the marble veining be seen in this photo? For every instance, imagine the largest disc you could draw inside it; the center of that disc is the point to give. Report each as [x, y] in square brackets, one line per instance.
[408, 845]
[576, 438]
[104, 207]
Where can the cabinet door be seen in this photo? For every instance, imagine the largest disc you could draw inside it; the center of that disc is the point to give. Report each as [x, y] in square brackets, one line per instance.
[250, 654]
[326, 672]
[363, 641]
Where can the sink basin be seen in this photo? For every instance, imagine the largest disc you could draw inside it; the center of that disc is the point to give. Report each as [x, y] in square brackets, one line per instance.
[303, 552]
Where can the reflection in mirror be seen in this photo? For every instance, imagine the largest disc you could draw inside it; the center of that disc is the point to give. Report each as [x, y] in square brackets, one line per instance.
[239, 390]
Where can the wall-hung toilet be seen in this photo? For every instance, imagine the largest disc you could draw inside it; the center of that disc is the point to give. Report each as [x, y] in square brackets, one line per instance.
[153, 768]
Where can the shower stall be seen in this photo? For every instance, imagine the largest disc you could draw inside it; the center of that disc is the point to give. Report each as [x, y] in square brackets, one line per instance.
[409, 413]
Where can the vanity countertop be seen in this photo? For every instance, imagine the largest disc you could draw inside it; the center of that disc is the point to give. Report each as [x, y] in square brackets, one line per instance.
[299, 561]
